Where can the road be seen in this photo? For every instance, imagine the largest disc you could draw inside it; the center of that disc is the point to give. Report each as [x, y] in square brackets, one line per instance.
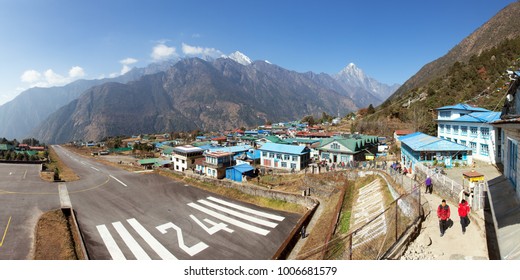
[124, 215]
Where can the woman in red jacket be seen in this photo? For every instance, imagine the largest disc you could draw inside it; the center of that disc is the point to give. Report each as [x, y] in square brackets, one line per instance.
[464, 210]
[443, 212]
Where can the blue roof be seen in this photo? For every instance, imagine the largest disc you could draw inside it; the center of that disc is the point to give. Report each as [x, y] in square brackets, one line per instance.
[242, 168]
[422, 142]
[480, 117]
[232, 149]
[461, 106]
[282, 148]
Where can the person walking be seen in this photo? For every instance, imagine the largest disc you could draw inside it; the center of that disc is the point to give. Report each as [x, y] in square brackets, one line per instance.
[464, 210]
[428, 184]
[443, 213]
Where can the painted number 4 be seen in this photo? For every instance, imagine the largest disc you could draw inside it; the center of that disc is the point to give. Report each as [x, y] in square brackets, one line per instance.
[193, 250]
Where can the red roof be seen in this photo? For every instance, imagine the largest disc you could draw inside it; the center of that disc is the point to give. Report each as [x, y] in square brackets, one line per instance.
[37, 148]
[403, 132]
[219, 138]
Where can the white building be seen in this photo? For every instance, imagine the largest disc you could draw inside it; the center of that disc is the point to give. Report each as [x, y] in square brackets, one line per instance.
[284, 156]
[471, 127]
[183, 157]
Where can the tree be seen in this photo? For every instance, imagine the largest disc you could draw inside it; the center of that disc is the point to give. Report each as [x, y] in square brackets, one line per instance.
[56, 174]
[31, 141]
[370, 109]
[309, 120]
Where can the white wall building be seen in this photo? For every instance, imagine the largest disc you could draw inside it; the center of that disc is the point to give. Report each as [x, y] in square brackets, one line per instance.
[470, 126]
[183, 157]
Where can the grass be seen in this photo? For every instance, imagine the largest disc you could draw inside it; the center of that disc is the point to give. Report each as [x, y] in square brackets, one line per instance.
[66, 174]
[54, 239]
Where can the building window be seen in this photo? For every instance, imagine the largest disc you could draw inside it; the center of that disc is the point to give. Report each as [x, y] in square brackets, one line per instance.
[264, 154]
[473, 146]
[445, 114]
[473, 131]
[441, 128]
[279, 156]
[463, 130]
[294, 158]
[484, 149]
[335, 146]
[325, 155]
[484, 132]
[286, 157]
[448, 129]
[455, 140]
[293, 165]
[284, 164]
[463, 142]
[448, 138]
[456, 130]
[271, 155]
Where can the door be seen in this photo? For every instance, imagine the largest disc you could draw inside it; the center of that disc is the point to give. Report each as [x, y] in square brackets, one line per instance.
[513, 159]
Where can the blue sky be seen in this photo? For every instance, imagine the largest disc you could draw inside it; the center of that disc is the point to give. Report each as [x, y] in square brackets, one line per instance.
[53, 42]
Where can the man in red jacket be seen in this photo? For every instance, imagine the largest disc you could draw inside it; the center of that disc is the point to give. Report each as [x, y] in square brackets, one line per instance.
[464, 210]
[443, 212]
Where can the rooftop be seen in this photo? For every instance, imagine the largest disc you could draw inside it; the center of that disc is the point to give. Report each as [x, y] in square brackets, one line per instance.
[187, 149]
[422, 142]
[282, 148]
[480, 117]
[464, 107]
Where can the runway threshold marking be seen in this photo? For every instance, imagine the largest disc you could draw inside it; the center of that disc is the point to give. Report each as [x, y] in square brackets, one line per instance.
[94, 168]
[24, 174]
[5, 232]
[118, 181]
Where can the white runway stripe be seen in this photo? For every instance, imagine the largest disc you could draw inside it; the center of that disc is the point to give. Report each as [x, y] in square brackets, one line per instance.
[110, 243]
[138, 252]
[238, 214]
[229, 220]
[118, 181]
[248, 210]
[156, 246]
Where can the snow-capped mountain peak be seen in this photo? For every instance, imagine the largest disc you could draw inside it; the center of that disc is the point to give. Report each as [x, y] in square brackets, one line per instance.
[351, 70]
[240, 58]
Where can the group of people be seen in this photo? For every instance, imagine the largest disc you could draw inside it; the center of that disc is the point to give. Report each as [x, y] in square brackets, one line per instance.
[443, 210]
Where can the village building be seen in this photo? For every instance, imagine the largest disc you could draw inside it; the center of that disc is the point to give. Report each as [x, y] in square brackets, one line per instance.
[471, 127]
[183, 157]
[420, 147]
[288, 157]
[214, 164]
[344, 149]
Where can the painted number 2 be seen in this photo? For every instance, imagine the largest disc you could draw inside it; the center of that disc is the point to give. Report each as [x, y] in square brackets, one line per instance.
[193, 250]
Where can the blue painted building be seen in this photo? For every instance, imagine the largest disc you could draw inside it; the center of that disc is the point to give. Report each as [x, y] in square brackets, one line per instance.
[289, 157]
[237, 172]
[420, 147]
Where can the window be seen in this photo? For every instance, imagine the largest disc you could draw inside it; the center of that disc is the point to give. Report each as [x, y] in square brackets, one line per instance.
[325, 155]
[264, 154]
[455, 140]
[445, 114]
[271, 155]
[463, 130]
[473, 146]
[484, 149]
[284, 164]
[484, 132]
[293, 165]
[456, 130]
[286, 157]
[473, 131]
[294, 158]
[279, 156]
[441, 128]
[335, 146]
[463, 142]
[448, 129]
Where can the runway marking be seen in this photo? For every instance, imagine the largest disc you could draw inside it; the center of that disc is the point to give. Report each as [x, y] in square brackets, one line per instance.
[5, 232]
[94, 168]
[24, 174]
[229, 220]
[249, 210]
[138, 252]
[215, 227]
[110, 243]
[193, 250]
[238, 214]
[118, 181]
[156, 246]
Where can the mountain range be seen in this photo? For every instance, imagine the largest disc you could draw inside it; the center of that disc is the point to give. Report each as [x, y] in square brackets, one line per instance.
[192, 93]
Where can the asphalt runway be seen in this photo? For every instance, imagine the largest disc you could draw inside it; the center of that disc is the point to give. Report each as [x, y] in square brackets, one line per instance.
[125, 215]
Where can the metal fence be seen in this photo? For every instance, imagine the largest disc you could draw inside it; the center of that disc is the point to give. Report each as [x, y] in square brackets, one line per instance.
[374, 239]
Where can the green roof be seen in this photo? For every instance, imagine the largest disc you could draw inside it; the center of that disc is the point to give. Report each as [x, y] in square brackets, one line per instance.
[148, 161]
[30, 153]
[6, 147]
[276, 140]
[119, 150]
[355, 143]
[168, 151]
[203, 143]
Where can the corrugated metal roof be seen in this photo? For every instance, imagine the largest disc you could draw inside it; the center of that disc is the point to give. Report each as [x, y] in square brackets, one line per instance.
[232, 149]
[479, 117]
[422, 142]
[461, 106]
[242, 168]
[282, 148]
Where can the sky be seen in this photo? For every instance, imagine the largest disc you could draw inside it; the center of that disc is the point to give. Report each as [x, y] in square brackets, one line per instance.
[54, 42]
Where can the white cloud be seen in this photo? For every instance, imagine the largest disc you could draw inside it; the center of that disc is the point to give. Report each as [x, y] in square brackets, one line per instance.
[200, 51]
[126, 64]
[76, 72]
[31, 76]
[50, 78]
[196, 35]
[163, 52]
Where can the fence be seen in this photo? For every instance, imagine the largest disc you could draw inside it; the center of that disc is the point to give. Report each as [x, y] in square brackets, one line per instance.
[450, 189]
[375, 238]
